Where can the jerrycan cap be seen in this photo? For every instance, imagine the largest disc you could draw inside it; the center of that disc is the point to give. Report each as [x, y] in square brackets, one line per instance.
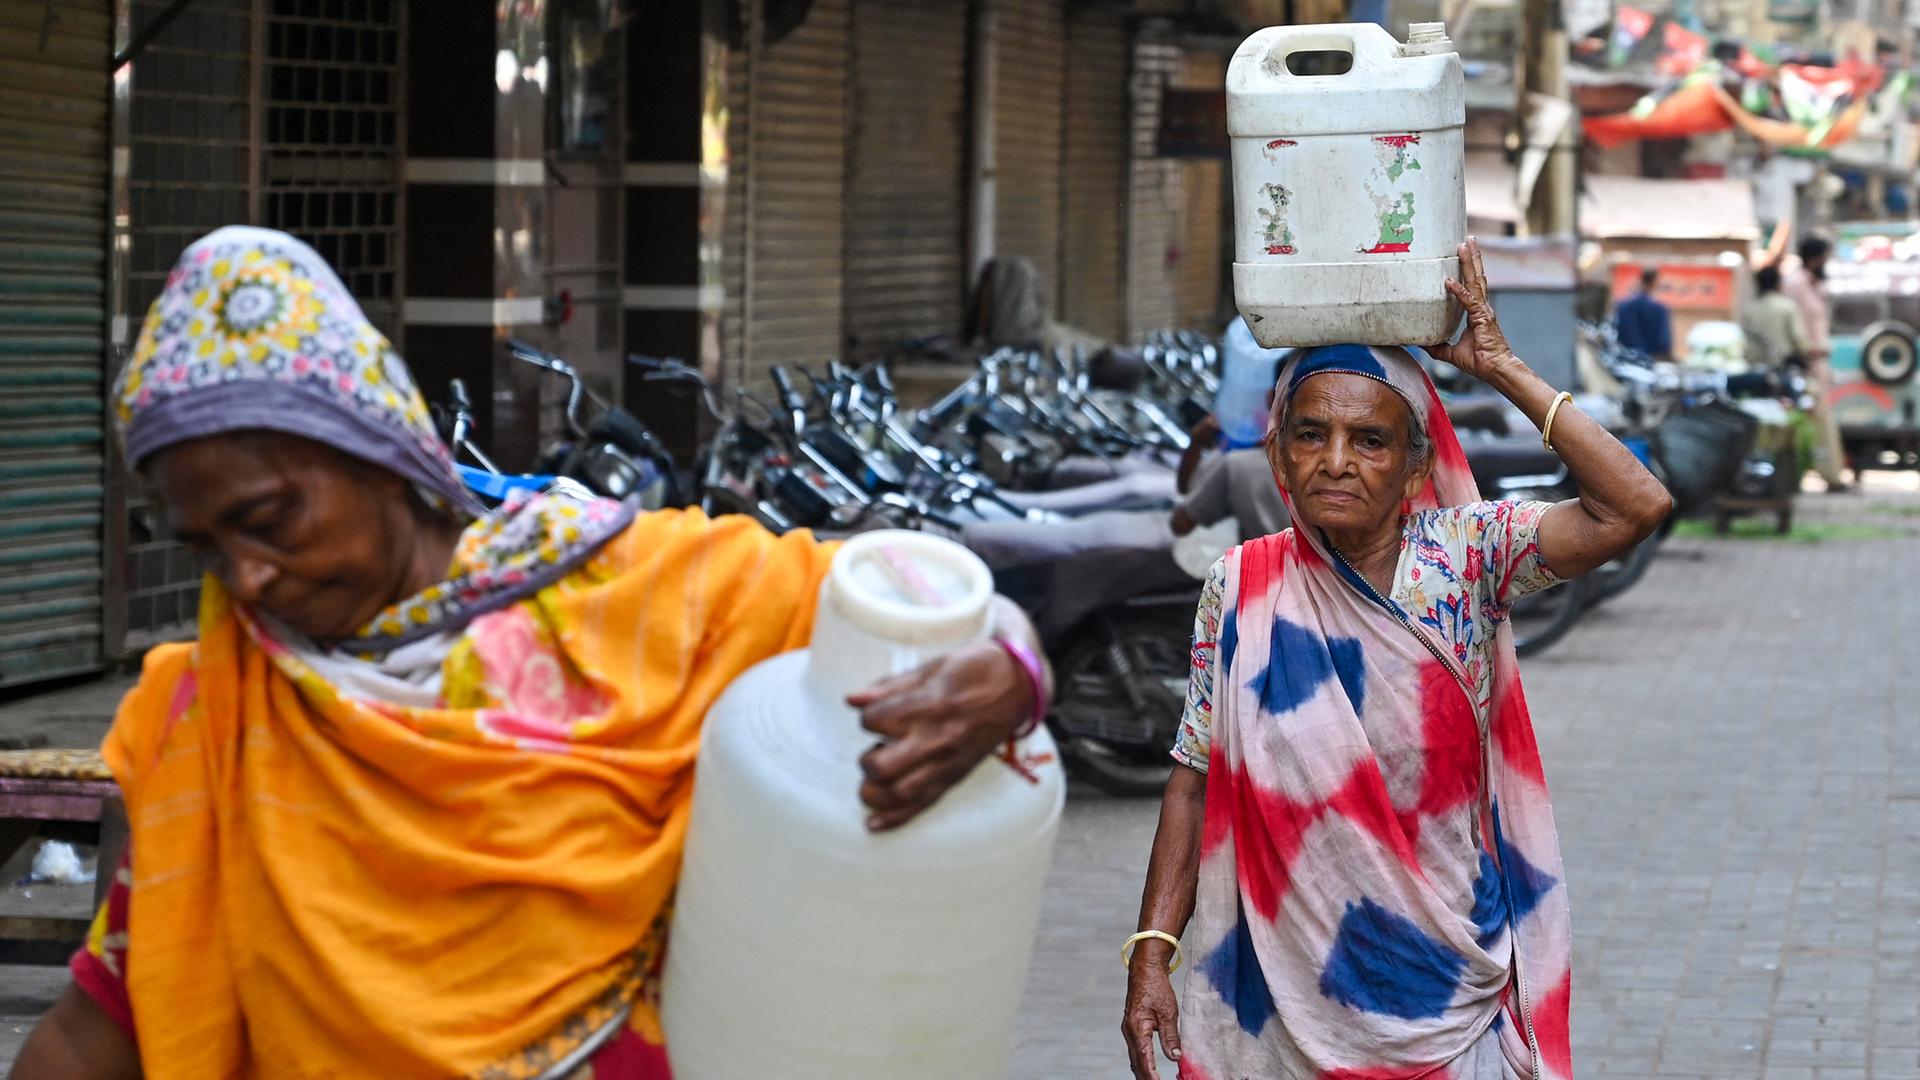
[1426, 39]
[910, 588]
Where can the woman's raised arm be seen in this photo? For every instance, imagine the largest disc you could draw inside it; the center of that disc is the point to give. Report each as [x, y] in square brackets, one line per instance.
[1620, 502]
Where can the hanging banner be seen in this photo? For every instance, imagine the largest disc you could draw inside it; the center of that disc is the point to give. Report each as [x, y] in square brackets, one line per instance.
[1630, 27]
[1702, 105]
[1792, 137]
[1683, 50]
[1693, 109]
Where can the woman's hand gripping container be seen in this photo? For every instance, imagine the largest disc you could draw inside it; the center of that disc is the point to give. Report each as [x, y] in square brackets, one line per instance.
[804, 946]
[1349, 190]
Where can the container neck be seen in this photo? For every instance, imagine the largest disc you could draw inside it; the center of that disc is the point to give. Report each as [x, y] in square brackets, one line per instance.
[844, 657]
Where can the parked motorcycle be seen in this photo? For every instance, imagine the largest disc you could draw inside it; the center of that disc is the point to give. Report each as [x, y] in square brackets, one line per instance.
[613, 453]
[834, 453]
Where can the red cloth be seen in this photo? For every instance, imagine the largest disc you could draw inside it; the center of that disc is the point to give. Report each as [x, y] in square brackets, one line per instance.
[1694, 109]
[100, 966]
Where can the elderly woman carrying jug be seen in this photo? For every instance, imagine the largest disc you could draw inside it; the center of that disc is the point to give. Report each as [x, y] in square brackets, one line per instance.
[1360, 831]
[412, 804]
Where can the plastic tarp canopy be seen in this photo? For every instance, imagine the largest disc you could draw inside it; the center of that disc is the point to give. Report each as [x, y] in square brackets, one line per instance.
[1632, 206]
[1529, 264]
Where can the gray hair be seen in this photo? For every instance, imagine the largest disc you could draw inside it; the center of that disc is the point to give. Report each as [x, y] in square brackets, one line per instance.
[1419, 443]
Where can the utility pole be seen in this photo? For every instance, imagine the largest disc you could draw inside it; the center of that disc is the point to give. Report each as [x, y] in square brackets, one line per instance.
[1548, 123]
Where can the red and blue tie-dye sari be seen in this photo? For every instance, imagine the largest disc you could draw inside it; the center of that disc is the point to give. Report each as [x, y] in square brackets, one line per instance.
[1380, 893]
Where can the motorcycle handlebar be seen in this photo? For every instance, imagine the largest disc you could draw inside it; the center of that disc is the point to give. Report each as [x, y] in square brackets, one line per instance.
[626, 431]
[783, 383]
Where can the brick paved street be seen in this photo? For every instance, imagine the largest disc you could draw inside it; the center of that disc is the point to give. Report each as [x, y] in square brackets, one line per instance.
[1738, 789]
[1739, 802]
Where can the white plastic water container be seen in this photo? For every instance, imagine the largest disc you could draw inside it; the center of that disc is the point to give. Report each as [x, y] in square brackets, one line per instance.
[1247, 375]
[805, 947]
[1349, 190]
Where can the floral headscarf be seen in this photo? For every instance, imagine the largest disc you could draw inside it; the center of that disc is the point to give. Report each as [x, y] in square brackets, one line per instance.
[254, 331]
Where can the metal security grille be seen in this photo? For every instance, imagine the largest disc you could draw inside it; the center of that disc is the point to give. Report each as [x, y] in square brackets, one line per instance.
[284, 113]
[191, 122]
[189, 172]
[330, 162]
[54, 104]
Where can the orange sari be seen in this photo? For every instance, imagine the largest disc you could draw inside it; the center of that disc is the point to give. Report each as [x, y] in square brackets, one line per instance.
[330, 886]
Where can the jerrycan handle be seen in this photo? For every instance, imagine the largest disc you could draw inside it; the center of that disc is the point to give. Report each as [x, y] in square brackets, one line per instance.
[1354, 39]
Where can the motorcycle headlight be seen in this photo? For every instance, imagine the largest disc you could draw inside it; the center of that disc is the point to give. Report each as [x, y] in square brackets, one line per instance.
[611, 473]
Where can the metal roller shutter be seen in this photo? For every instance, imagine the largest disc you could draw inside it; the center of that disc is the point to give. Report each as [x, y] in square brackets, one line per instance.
[1029, 71]
[796, 173]
[906, 197]
[1203, 229]
[54, 106]
[1093, 186]
[733, 230]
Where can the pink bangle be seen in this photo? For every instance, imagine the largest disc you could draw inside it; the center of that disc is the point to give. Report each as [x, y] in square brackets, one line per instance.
[1036, 678]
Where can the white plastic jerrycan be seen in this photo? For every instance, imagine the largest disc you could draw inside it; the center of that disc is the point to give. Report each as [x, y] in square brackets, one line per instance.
[1349, 190]
[804, 946]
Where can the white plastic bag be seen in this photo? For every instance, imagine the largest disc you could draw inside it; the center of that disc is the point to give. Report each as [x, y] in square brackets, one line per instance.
[59, 863]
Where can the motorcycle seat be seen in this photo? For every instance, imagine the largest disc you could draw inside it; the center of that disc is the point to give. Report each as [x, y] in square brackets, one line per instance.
[1487, 414]
[1497, 459]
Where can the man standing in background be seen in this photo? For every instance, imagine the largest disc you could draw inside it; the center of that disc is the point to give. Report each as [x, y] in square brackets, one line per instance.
[1805, 285]
[1776, 331]
[1237, 484]
[1643, 323]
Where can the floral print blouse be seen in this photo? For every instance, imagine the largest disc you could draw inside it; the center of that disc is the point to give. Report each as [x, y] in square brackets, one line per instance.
[1461, 568]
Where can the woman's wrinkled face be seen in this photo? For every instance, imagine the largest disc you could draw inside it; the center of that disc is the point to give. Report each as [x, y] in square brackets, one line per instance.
[316, 538]
[1344, 452]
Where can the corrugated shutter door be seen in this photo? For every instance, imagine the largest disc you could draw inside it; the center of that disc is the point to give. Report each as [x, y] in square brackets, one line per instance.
[1094, 185]
[1203, 265]
[53, 265]
[1154, 206]
[796, 174]
[906, 201]
[1029, 70]
[733, 253]
[1203, 258]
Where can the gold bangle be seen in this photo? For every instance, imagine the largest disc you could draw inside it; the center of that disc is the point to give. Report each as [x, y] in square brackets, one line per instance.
[1546, 429]
[1126, 950]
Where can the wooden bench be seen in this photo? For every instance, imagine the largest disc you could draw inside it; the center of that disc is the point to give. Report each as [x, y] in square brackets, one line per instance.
[41, 786]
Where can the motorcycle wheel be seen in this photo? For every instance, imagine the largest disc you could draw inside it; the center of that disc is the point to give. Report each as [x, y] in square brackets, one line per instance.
[1115, 744]
[1543, 618]
[1624, 572]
